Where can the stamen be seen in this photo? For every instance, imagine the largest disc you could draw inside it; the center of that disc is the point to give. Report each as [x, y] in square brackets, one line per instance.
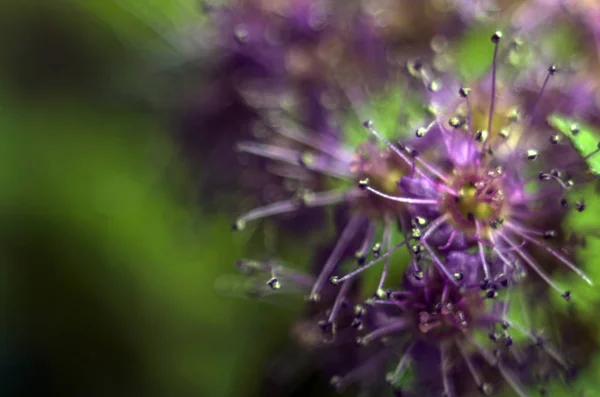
[336, 280]
[449, 242]
[533, 264]
[387, 239]
[361, 254]
[363, 184]
[338, 301]
[495, 39]
[292, 130]
[534, 338]
[282, 207]
[486, 269]
[551, 71]
[551, 250]
[392, 327]
[394, 377]
[510, 378]
[445, 364]
[369, 126]
[472, 369]
[347, 235]
[314, 163]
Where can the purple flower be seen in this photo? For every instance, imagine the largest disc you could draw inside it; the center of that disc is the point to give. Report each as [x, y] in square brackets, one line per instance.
[493, 198]
[433, 325]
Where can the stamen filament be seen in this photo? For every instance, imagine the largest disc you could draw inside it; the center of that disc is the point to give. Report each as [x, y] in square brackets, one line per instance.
[334, 258]
[402, 199]
[552, 251]
[361, 269]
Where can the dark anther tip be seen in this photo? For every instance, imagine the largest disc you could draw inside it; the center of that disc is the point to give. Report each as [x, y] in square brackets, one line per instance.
[363, 183]
[273, 283]
[418, 274]
[486, 389]
[564, 202]
[367, 123]
[458, 276]
[580, 205]
[464, 92]
[238, 225]
[552, 69]
[484, 284]
[496, 37]
[566, 295]
[549, 234]
[360, 259]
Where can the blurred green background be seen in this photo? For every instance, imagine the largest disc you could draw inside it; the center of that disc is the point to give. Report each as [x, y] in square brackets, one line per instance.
[109, 264]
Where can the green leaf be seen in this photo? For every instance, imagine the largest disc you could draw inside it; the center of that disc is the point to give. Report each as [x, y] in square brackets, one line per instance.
[583, 137]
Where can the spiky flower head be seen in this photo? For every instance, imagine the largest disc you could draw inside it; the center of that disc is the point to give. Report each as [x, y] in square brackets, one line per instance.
[474, 205]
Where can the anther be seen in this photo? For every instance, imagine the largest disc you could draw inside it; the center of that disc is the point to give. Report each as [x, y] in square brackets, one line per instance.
[434, 86]
[455, 122]
[567, 295]
[544, 176]
[484, 284]
[532, 154]
[417, 249]
[419, 220]
[306, 159]
[376, 250]
[363, 183]
[496, 37]
[238, 225]
[496, 223]
[274, 283]
[336, 381]
[421, 131]
[356, 323]
[458, 276]
[486, 388]
[418, 274]
[549, 234]
[574, 129]
[580, 205]
[552, 69]
[554, 139]
[493, 336]
[491, 293]
[360, 258]
[464, 92]
[334, 280]
[326, 327]
[481, 135]
[368, 123]
[416, 233]
[508, 341]
[564, 202]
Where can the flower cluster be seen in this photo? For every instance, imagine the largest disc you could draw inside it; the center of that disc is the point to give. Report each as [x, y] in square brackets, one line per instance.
[478, 193]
